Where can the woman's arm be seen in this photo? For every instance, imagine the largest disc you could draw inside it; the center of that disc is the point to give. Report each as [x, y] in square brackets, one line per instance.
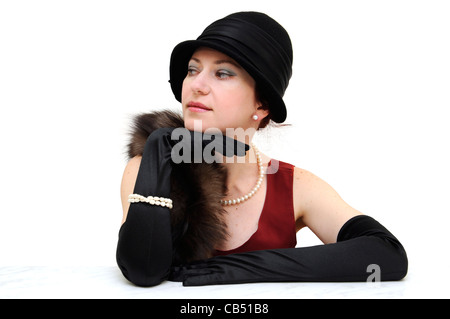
[144, 248]
[362, 242]
[128, 181]
[319, 207]
[353, 242]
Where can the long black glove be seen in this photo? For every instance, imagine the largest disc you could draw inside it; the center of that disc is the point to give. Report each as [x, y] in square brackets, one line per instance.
[361, 242]
[144, 249]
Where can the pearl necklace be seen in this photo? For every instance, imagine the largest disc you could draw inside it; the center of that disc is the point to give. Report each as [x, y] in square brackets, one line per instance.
[255, 189]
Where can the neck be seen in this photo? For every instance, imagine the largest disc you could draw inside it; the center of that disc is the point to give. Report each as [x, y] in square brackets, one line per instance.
[239, 164]
[242, 174]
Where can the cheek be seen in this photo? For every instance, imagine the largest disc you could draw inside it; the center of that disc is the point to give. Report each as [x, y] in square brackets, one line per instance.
[242, 102]
[236, 111]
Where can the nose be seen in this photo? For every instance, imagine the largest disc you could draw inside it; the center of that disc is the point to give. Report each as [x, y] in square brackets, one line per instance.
[199, 84]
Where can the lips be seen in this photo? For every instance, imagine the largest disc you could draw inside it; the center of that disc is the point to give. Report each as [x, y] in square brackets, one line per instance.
[197, 107]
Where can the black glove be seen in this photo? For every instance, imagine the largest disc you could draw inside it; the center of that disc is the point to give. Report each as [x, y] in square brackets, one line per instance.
[362, 241]
[144, 249]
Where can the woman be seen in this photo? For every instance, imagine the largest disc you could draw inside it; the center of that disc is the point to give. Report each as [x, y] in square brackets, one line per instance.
[234, 77]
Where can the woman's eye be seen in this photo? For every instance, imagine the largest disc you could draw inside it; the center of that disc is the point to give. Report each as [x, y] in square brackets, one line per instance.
[192, 71]
[224, 74]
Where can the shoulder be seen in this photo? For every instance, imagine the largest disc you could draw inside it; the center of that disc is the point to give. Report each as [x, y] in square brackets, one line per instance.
[305, 184]
[304, 178]
[311, 191]
[128, 181]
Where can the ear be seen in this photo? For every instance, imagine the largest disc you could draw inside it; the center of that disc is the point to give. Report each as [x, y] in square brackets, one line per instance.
[262, 112]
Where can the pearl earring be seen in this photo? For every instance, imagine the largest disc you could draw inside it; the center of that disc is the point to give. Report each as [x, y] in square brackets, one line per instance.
[255, 117]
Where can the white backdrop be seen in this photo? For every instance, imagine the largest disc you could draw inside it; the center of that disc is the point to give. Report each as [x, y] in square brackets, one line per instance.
[368, 104]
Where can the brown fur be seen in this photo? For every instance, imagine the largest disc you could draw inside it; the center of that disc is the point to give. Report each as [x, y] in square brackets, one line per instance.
[144, 124]
[197, 216]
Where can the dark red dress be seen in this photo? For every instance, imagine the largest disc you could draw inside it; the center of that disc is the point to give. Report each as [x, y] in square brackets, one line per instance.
[276, 226]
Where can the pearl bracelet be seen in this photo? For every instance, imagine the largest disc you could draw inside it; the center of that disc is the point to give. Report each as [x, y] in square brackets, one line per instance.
[152, 200]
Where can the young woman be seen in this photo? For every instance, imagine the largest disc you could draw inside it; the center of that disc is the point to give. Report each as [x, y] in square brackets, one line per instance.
[236, 221]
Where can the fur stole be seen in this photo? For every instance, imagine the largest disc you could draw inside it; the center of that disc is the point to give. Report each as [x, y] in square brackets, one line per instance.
[198, 225]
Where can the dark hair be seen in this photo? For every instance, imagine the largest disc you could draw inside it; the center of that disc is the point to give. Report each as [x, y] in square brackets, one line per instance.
[265, 106]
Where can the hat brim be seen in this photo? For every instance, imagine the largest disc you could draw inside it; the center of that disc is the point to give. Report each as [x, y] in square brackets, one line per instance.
[183, 52]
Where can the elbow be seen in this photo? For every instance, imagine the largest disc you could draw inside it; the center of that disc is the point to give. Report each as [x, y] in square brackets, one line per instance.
[146, 281]
[401, 266]
[142, 277]
[140, 272]
[144, 265]
[396, 262]
[386, 259]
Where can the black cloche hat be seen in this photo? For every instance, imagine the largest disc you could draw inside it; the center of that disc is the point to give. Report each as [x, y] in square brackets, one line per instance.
[254, 40]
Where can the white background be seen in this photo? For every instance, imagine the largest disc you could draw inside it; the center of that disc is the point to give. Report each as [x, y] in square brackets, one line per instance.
[368, 107]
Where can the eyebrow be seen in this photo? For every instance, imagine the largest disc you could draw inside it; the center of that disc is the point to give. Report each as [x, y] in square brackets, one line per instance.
[220, 62]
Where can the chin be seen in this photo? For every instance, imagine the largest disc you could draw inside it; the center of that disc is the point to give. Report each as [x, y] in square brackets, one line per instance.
[201, 123]
[195, 124]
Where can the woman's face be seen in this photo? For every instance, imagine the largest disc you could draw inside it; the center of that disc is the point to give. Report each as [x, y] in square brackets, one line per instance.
[218, 92]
